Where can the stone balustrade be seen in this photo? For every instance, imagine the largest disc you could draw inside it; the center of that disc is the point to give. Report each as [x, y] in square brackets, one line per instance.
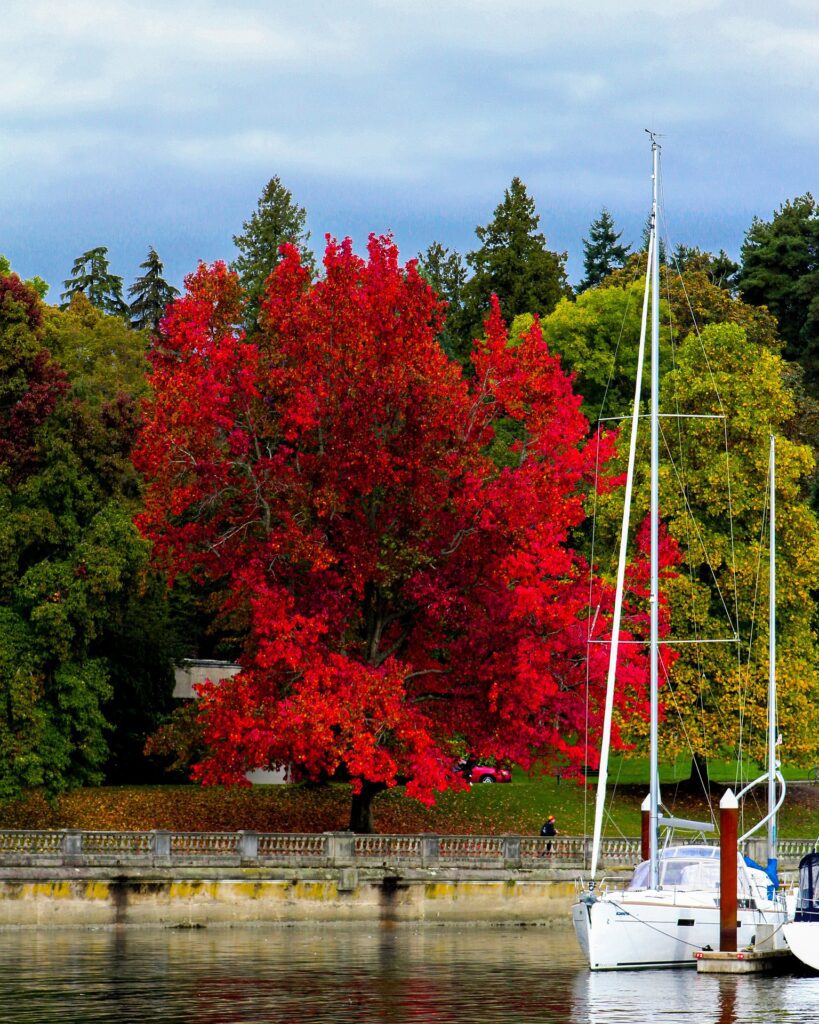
[91, 849]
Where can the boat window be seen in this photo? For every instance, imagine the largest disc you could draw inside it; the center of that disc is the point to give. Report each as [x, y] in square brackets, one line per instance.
[808, 887]
[691, 874]
[639, 879]
[689, 852]
[684, 867]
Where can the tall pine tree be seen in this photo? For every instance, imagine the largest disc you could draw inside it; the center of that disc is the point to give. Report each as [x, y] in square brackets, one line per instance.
[514, 263]
[602, 251]
[446, 273]
[780, 269]
[721, 269]
[663, 255]
[276, 220]
[151, 293]
[90, 275]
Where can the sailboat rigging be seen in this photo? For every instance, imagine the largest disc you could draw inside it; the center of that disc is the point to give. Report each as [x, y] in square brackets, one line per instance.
[671, 906]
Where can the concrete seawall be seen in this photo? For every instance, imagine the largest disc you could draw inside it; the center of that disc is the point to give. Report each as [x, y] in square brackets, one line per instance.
[190, 899]
[185, 879]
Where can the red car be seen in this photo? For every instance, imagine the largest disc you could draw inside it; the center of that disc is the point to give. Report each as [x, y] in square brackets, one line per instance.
[486, 773]
[482, 773]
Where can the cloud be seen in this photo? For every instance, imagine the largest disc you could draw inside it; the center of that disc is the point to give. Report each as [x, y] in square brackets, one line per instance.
[423, 107]
[83, 57]
[353, 153]
[786, 50]
[184, 32]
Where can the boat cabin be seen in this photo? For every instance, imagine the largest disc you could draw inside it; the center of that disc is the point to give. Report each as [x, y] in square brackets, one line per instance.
[807, 904]
[696, 868]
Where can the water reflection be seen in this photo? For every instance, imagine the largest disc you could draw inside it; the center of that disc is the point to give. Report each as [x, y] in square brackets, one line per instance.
[683, 995]
[366, 975]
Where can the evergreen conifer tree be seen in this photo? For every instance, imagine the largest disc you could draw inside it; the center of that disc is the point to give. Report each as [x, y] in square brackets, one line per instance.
[446, 273]
[646, 233]
[721, 269]
[151, 294]
[276, 220]
[91, 276]
[514, 264]
[780, 269]
[602, 251]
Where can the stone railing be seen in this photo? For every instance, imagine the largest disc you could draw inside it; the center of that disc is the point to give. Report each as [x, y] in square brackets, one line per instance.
[70, 848]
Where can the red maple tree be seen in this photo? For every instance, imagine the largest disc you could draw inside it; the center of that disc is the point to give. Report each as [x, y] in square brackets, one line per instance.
[402, 596]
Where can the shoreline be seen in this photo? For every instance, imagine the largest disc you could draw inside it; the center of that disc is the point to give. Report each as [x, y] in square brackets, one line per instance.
[191, 899]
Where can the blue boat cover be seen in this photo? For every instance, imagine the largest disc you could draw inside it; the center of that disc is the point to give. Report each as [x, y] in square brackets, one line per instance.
[770, 871]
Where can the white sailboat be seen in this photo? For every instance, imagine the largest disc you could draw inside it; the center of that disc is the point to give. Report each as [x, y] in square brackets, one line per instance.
[670, 909]
[802, 934]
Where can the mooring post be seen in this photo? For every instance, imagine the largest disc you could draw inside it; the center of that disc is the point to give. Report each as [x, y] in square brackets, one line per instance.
[728, 816]
[645, 829]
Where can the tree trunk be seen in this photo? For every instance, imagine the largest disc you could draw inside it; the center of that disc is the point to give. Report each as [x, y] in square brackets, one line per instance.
[361, 809]
[698, 781]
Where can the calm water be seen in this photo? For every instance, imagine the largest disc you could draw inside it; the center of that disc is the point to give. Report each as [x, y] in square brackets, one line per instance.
[363, 975]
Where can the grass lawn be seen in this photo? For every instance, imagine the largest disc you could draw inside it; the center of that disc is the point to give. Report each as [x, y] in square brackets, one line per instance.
[518, 808]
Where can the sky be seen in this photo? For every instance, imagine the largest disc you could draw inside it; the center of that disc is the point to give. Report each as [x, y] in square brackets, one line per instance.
[134, 124]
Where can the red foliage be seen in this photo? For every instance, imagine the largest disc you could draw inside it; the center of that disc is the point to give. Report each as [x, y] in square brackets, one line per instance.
[398, 589]
[19, 303]
[31, 382]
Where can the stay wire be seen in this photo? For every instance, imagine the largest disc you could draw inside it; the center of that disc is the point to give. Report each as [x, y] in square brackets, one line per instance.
[698, 534]
[686, 737]
[688, 542]
[725, 441]
[592, 552]
[757, 579]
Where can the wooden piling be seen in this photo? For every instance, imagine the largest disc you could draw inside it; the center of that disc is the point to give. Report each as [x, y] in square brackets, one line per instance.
[728, 816]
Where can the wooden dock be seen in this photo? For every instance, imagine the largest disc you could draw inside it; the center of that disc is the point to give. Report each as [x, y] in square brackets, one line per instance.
[745, 961]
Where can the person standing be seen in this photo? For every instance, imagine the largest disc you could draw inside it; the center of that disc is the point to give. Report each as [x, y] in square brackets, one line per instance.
[549, 829]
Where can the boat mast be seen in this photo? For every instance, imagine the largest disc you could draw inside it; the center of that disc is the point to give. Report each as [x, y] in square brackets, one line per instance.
[772, 765]
[605, 742]
[654, 519]
[773, 774]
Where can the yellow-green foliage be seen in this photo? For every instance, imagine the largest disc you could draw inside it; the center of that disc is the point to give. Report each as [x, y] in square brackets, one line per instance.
[101, 354]
[717, 699]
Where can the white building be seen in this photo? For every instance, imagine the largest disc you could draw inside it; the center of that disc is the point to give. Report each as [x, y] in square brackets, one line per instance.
[195, 671]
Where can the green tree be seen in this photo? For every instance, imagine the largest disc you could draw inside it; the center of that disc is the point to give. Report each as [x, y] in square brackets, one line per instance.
[716, 697]
[514, 263]
[780, 269]
[277, 219]
[760, 392]
[694, 300]
[81, 616]
[597, 337]
[144, 632]
[90, 275]
[644, 241]
[102, 356]
[721, 269]
[150, 293]
[446, 273]
[602, 251]
[36, 283]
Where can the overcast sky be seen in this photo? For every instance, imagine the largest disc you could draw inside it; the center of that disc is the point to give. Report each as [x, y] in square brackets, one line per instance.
[130, 124]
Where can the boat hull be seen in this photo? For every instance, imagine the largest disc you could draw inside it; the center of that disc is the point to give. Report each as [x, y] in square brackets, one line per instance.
[802, 938]
[627, 933]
